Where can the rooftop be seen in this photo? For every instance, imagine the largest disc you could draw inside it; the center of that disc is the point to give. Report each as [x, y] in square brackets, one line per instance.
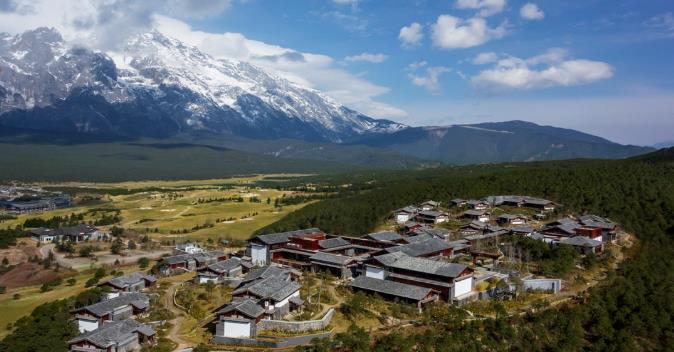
[421, 248]
[333, 242]
[247, 307]
[403, 261]
[331, 258]
[390, 288]
[385, 236]
[581, 241]
[115, 332]
[101, 308]
[130, 279]
[225, 265]
[282, 237]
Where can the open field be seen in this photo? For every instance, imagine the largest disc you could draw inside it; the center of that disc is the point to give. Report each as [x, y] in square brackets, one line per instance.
[229, 208]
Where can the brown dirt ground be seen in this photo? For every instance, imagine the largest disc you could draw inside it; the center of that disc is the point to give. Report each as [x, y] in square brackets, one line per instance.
[18, 254]
[26, 274]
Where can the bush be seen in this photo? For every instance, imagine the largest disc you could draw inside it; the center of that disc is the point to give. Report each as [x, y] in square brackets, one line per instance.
[91, 282]
[143, 262]
[71, 282]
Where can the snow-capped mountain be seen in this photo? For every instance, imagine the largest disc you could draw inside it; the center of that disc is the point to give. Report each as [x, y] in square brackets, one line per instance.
[159, 86]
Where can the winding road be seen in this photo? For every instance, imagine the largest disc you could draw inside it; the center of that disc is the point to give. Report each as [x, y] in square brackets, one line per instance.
[177, 322]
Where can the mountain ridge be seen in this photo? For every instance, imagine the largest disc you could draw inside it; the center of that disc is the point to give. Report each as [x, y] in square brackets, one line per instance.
[160, 87]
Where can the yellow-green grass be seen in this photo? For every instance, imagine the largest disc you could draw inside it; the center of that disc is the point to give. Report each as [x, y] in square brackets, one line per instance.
[172, 183]
[31, 297]
[147, 211]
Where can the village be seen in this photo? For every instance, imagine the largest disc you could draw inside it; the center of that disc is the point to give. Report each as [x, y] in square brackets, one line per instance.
[286, 289]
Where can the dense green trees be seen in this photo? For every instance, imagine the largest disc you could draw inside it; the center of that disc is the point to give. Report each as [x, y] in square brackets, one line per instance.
[631, 310]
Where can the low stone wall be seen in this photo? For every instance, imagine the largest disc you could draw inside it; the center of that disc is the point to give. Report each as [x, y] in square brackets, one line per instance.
[284, 342]
[548, 285]
[297, 326]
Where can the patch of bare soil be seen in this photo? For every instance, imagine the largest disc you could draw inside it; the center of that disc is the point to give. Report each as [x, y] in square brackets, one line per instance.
[18, 254]
[27, 274]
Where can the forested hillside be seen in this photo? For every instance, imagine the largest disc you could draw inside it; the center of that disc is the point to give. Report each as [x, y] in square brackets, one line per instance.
[631, 310]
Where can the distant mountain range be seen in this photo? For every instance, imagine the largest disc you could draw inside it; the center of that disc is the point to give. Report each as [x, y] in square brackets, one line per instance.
[665, 144]
[161, 88]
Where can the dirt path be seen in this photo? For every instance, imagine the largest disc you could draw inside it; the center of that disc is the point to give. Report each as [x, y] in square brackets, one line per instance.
[177, 322]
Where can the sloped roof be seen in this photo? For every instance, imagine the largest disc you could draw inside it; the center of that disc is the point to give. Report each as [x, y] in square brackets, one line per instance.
[130, 279]
[421, 248]
[331, 258]
[403, 261]
[581, 241]
[115, 332]
[385, 236]
[486, 235]
[282, 237]
[333, 242]
[101, 308]
[597, 221]
[408, 209]
[390, 288]
[247, 307]
[432, 213]
[225, 265]
[206, 256]
[522, 229]
[435, 232]
[417, 238]
[474, 212]
[274, 287]
[267, 271]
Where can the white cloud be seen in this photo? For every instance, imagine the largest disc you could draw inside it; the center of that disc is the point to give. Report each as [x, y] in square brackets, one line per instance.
[346, 2]
[107, 24]
[487, 7]
[367, 57]
[484, 58]
[429, 79]
[411, 35]
[311, 70]
[663, 24]
[531, 12]
[451, 32]
[102, 24]
[550, 69]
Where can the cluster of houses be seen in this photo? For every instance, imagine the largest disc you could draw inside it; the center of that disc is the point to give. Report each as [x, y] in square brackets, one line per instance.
[110, 325]
[412, 265]
[77, 233]
[22, 200]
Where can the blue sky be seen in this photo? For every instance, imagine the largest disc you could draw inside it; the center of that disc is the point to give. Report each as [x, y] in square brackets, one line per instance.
[604, 67]
[633, 37]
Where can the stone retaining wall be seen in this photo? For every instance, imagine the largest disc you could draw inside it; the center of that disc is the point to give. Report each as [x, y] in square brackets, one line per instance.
[284, 342]
[297, 326]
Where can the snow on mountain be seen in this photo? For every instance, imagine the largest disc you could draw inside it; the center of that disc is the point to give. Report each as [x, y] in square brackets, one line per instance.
[175, 86]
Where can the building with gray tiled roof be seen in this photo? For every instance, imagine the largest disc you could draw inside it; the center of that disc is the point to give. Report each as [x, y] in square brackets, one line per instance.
[430, 247]
[220, 271]
[119, 308]
[584, 244]
[453, 281]
[385, 236]
[393, 290]
[341, 266]
[131, 282]
[118, 336]
[333, 243]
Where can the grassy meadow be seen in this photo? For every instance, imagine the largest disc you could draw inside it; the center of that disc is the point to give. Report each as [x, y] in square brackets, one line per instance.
[180, 210]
